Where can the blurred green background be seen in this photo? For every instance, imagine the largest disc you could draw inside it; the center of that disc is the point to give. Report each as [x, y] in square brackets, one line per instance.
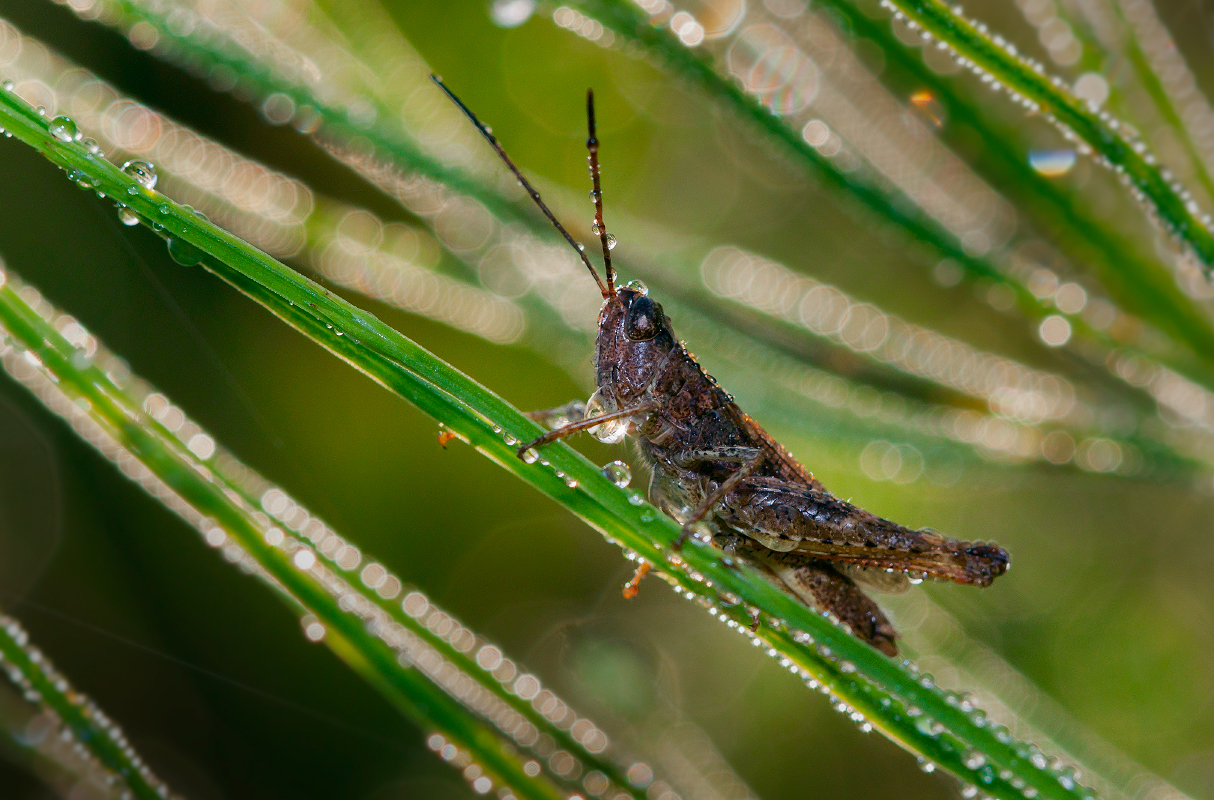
[1109, 607]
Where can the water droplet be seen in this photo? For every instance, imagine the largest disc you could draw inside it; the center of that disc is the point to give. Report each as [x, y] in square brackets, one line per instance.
[847, 666]
[618, 473]
[7, 85]
[91, 146]
[594, 228]
[611, 241]
[184, 253]
[594, 196]
[64, 129]
[581, 247]
[571, 482]
[636, 498]
[1052, 163]
[612, 432]
[529, 456]
[126, 216]
[144, 172]
[637, 286]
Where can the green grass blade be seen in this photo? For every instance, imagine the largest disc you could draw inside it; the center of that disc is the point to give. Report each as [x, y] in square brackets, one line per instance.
[81, 720]
[389, 140]
[186, 462]
[172, 471]
[940, 726]
[1099, 132]
[1139, 284]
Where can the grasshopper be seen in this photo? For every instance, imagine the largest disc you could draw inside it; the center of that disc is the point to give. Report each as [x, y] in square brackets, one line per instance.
[714, 468]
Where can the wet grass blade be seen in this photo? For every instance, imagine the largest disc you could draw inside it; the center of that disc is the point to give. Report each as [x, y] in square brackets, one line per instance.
[78, 718]
[940, 726]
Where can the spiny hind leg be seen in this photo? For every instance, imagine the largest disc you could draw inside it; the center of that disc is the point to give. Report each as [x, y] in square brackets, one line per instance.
[817, 584]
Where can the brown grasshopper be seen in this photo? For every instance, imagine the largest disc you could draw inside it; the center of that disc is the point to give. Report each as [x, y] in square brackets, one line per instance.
[713, 466]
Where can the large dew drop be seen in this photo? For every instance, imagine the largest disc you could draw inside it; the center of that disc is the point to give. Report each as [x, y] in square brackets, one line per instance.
[637, 286]
[64, 129]
[612, 432]
[180, 250]
[127, 217]
[144, 172]
[618, 473]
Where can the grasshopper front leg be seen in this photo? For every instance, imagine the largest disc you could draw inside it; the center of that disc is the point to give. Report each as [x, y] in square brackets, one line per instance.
[793, 518]
[577, 426]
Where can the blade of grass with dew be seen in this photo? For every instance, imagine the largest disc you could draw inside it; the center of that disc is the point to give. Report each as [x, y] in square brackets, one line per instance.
[357, 250]
[1138, 284]
[341, 242]
[1161, 74]
[32, 673]
[424, 638]
[624, 18]
[105, 416]
[940, 644]
[879, 692]
[341, 121]
[993, 57]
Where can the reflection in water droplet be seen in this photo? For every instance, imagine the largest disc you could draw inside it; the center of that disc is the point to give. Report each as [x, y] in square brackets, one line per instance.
[611, 241]
[612, 432]
[1052, 163]
[126, 216]
[63, 129]
[142, 171]
[618, 473]
[637, 286]
[184, 253]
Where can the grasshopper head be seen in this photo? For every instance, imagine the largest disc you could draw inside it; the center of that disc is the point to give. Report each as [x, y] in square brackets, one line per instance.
[634, 341]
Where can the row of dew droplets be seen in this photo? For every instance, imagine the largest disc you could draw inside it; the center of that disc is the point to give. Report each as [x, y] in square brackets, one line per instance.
[64, 129]
[1138, 185]
[730, 609]
[27, 668]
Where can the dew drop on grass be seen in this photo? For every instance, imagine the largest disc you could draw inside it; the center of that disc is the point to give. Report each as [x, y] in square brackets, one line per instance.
[618, 473]
[64, 129]
[144, 172]
[126, 216]
[1052, 163]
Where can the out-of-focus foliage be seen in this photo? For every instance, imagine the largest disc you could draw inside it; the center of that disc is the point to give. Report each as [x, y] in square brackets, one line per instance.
[1106, 610]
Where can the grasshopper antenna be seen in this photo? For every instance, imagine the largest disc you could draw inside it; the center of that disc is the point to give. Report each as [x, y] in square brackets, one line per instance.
[592, 145]
[607, 289]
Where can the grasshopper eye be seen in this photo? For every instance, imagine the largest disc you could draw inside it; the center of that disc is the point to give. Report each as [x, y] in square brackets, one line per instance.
[642, 320]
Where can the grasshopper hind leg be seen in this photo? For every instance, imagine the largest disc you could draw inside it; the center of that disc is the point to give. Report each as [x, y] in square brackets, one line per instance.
[819, 585]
